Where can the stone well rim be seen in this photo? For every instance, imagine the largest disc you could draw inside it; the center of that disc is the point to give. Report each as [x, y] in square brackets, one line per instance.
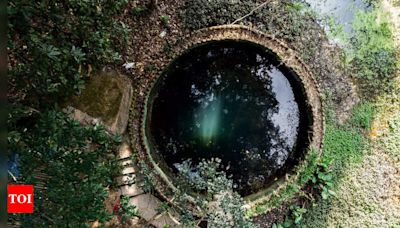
[287, 56]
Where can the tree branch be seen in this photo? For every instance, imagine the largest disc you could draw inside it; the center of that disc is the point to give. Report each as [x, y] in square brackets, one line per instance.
[251, 12]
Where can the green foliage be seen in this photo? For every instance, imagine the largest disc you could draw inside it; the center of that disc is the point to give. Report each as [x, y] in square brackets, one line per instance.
[391, 141]
[164, 19]
[163, 208]
[344, 145]
[147, 178]
[372, 52]
[212, 193]
[53, 44]
[77, 160]
[127, 211]
[363, 116]
[295, 217]
[323, 179]
[139, 10]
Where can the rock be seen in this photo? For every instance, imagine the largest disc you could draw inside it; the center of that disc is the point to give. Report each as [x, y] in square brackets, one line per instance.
[163, 33]
[106, 99]
[128, 65]
[147, 205]
[165, 220]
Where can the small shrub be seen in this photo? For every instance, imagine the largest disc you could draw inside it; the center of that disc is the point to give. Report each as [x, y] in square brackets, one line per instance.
[53, 45]
[139, 10]
[323, 179]
[164, 19]
[363, 116]
[213, 194]
[126, 211]
[77, 160]
[294, 218]
[372, 53]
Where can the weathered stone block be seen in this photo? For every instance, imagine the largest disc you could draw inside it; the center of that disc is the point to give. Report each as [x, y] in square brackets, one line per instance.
[106, 99]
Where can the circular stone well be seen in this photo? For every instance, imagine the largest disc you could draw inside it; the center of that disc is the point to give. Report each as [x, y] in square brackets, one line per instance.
[236, 94]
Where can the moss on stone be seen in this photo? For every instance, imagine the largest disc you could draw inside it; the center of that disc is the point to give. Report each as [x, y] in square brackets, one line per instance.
[101, 97]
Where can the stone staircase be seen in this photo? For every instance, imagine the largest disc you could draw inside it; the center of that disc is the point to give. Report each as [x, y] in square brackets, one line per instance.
[147, 204]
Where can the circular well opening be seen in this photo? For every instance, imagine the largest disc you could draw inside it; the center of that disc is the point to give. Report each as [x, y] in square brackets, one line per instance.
[232, 100]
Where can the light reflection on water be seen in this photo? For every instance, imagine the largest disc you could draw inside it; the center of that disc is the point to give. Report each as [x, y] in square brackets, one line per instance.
[231, 101]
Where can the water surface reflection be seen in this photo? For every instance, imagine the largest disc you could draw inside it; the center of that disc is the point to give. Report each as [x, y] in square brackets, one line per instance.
[231, 101]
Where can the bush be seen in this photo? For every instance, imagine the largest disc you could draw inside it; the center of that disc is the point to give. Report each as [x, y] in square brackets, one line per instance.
[52, 47]
[53, 44]
[372, 52]
[77, 161]
[213, 195]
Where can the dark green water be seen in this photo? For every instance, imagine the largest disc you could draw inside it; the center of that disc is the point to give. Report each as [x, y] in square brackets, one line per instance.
[232, 101]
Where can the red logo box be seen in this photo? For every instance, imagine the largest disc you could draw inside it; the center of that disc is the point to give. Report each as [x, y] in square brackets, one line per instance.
[20, 198]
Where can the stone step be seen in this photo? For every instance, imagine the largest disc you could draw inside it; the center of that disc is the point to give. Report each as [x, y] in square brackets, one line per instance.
[126, 179]
[126, 162]
[129, 170]
[124, 151]
[147, 205]
[130, 190]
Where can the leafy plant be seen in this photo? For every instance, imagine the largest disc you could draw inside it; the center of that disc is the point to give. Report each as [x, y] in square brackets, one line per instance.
[212, 193]
[127, 211]
[147, 178]
[363, 116]
[77, 161]
[139, 10]
[164, 19]
[372, 52]
[53, 45]
[294, 218]
[322, 179]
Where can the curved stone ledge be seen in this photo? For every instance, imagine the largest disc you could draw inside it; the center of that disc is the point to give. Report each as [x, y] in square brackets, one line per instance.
[234, 33]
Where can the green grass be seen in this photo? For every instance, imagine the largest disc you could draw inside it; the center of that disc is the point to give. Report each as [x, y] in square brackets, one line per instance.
[346, 144]
[391, 140]
[359, 167]
[363, 116]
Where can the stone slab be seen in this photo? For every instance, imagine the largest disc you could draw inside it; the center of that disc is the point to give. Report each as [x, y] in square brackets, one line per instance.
[106, 99]
[147, 205]
[165, 220]
[131, 190]
[124, 151]
[129, 170]
[126, 179]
